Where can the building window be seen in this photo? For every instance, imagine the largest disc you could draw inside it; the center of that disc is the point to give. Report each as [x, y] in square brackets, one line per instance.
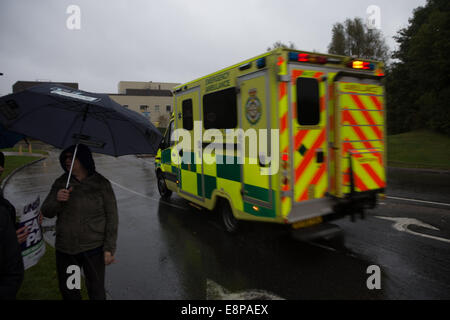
[168, 108]
[143, 108]
[220, 109]
[146, 114]
[308, 106]
[157, 108]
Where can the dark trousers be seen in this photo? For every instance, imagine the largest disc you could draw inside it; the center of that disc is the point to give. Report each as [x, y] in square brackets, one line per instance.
[93, 264]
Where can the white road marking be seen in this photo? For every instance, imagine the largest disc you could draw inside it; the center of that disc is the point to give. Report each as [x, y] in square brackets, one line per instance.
[215, 291]
[145, 196]
[401, 224]
[421, 201]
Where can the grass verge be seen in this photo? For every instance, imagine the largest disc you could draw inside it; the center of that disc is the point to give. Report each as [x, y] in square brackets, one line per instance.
[24, 150]
[41, 282]
[14, 162]
[419, 149]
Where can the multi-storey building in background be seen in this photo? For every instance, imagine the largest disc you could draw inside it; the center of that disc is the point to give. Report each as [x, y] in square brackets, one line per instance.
[152, 99]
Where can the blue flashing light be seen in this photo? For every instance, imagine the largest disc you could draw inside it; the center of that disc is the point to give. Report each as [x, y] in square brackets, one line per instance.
[261, 63]
[293, 56]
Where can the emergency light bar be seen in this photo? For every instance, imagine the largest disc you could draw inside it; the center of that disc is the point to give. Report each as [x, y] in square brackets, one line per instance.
[357, 64]
[306, 57]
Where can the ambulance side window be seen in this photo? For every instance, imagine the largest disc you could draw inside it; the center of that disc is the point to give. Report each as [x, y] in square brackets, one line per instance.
[220, 109]
[169, 131]
[188, 120]
[308, 106]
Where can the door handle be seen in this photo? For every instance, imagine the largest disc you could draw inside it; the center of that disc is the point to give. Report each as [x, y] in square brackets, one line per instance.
[319, 156]
[244, 192]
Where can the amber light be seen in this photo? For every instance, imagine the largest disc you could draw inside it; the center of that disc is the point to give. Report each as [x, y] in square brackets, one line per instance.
[361, 65]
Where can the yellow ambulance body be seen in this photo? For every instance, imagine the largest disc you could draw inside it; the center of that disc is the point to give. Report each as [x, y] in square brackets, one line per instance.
[323, 153]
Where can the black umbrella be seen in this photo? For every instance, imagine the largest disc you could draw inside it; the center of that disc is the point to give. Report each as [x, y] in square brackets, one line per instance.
[8, 139]
[62, 116]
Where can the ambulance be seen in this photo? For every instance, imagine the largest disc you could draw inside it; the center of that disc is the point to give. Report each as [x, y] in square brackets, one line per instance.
[288, 137]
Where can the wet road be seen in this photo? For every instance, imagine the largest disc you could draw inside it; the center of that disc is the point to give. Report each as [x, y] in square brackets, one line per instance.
[168, 250]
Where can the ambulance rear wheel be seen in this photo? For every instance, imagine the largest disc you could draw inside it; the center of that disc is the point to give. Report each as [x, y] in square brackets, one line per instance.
[164, 192]
[230, 223]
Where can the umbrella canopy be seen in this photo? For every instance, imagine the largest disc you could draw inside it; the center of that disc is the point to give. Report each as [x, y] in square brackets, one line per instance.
[62, 116]
[8, 139]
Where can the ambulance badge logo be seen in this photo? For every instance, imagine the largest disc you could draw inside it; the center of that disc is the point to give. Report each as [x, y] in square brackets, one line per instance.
[253, 107]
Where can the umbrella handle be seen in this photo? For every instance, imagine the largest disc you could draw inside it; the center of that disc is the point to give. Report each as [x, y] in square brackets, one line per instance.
[71, 166]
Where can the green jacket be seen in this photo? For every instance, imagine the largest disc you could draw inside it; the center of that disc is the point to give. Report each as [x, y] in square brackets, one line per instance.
[89, 218]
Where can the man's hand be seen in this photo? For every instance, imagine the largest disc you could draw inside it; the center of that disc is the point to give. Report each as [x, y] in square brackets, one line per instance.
[22, 234]
[109, 258]
[63, 195]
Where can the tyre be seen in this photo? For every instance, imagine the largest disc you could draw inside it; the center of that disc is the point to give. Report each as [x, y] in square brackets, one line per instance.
[164, 192]
[230, 223]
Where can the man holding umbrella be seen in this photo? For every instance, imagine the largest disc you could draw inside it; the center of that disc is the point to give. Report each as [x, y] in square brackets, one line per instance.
[87, 222]
[85, 206]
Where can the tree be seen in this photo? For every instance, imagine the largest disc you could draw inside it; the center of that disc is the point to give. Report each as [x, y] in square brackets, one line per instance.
[353, 38]
[418, 82]
[280, 44]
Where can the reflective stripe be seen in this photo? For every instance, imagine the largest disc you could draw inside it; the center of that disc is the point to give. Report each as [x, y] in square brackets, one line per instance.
[346, 116]
[314, 181]
[373, 175]
[367, 116]
[359, 183]
[376, 102]
[309, 155]
[284, 132]
[299, 138]
[362, 125]
[283, 89]
[283, 123]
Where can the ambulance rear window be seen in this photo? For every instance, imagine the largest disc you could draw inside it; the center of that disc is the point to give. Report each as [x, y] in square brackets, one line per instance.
[188, 120]
[308, 106]
[220, 109]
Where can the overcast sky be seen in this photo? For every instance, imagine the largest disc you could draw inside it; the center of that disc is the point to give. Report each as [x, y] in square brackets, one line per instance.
[165, 40]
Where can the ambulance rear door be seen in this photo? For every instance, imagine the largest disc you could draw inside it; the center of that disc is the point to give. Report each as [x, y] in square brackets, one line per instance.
[360, 134]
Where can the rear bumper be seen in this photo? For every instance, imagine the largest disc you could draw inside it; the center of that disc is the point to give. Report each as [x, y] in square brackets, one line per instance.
[310, 209]
[332, 208]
